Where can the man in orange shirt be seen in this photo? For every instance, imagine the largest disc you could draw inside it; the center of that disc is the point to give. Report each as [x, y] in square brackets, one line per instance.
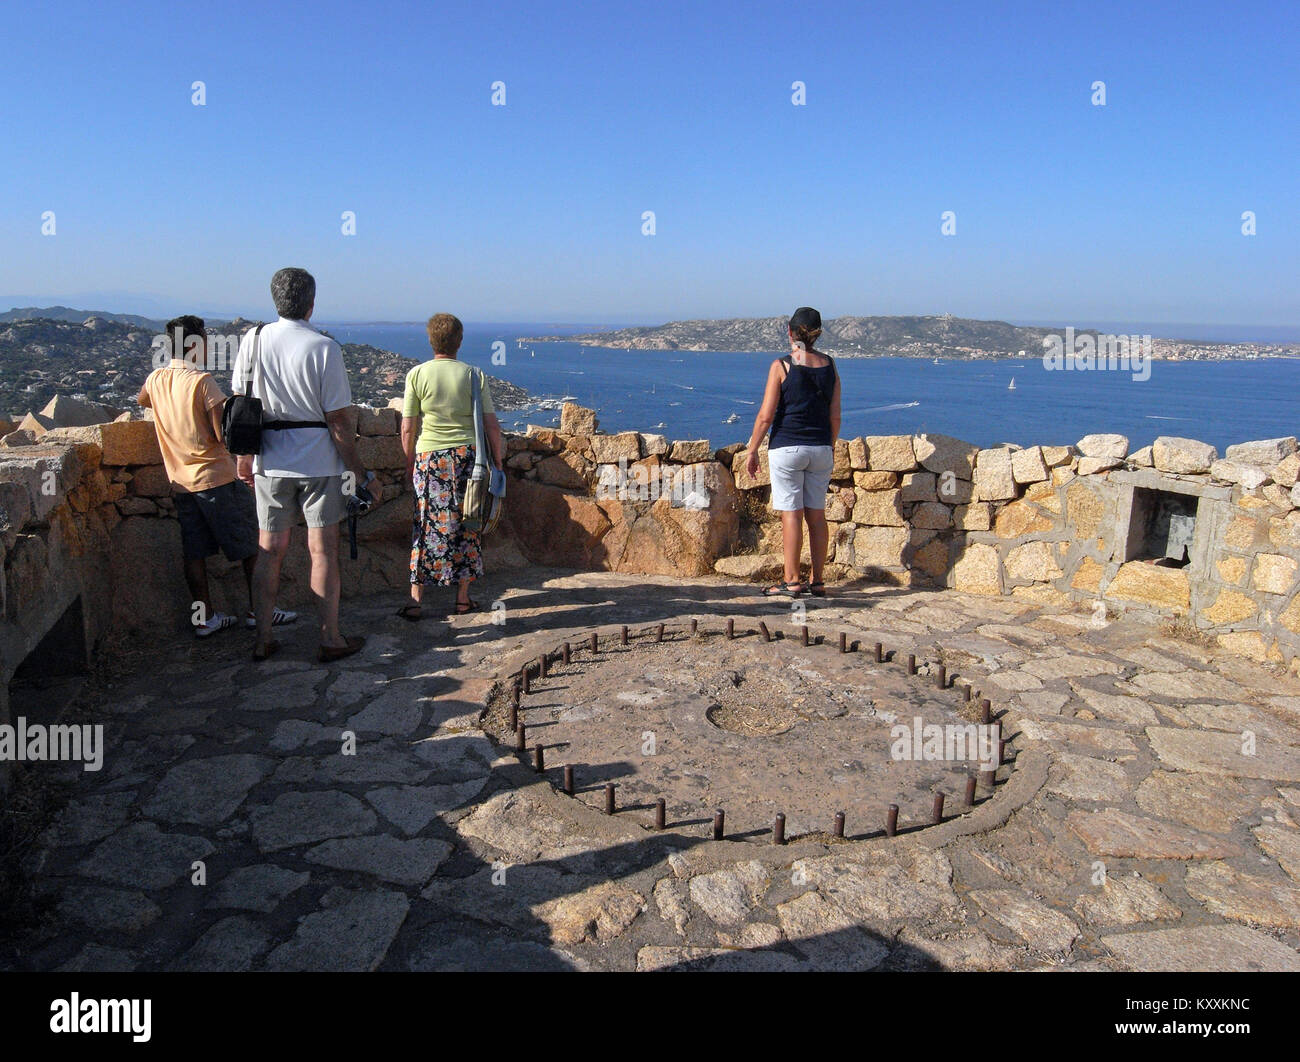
[215, 510]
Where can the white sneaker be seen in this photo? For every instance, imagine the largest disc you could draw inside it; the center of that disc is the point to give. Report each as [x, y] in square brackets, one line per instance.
[278, 619]
[218, 621]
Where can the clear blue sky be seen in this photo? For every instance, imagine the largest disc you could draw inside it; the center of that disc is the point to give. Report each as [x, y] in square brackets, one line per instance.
[532, 211]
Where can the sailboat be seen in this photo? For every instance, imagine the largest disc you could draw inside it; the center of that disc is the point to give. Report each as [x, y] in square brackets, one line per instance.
[1012, 385]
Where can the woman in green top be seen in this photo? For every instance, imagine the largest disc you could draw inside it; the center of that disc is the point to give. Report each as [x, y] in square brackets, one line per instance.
[438, 437]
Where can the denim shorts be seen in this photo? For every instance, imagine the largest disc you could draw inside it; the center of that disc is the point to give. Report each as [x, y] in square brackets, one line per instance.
[220, 518]
[801, 476]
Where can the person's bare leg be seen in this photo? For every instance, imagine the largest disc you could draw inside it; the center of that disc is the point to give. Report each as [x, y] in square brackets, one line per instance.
[271, 548]
[323, 545]
[792, 542]
[196, 578]
[462, 595]
[818, 540]
[250, 563]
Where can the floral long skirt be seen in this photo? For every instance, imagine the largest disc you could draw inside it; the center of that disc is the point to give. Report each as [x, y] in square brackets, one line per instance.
[442, 553]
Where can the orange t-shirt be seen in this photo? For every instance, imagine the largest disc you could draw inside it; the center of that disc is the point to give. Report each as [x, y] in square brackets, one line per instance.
[182, 399]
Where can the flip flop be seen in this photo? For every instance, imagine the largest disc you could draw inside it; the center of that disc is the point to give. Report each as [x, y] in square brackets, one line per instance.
[817, 589]
[412, 613]
[464, 608]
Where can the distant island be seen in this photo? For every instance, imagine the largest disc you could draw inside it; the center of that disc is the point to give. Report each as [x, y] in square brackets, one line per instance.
[105, 357]
[940, 336]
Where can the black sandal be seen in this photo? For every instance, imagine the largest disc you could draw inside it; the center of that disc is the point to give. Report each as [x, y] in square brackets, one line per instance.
[783, 590]
[464, 608]
[411, 612]
[817, 589]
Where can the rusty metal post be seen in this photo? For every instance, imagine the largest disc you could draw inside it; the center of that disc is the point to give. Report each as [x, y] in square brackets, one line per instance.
[731, 629]
[970, 790]
[767, 635]
[661, 813]
[528, 679]
[778, 829]
[880, 653]
[891, 820]
[566, 653]
[568, 779]
[622, 636]
[719, 820]
[543, 665]
[970, 693]
[989, 775]
[839, 824]
[609, 798]
[941, 677]
[695, 628]
[514, 716]
[539, 762]
[986, 712]
[911, 663]
[659, 634]
[520, 743]
[936, 809]
[1002, 751]
[804, 628]
[844, 642]
[595, 645]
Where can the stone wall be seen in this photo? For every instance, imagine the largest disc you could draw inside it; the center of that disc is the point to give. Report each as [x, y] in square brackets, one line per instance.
[86, 516]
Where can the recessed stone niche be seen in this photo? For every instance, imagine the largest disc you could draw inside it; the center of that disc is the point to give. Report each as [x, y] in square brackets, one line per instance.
[1166, 520]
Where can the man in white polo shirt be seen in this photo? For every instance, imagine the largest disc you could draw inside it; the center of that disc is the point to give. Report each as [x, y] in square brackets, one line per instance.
[308, 443]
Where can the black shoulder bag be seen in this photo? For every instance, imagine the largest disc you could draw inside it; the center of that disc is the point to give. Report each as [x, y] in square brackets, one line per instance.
[241, 419]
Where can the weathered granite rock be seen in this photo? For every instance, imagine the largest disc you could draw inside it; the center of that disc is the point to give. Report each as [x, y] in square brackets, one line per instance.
[1266, 452]
[1125, 901]
[977, 571]
[141, 856]
[994, 478]
[110, 912]
[1101, 445]
[890, 453]
[690, 451]
[1252, 477]
[408, 862]
[259, 887]
[1220, 754]
[1028, 466]
[206, 791]
[231, 945]
[943, 453]
[1043, 929]
[599, 913]
[1111, 832]
[294, 819]
[1207, 948]
[1187, 457]
[354, 934]
[827, 936]
[576, 420]
[1229, 892]
[729, 896]
[1283, 844]
[1147, 584]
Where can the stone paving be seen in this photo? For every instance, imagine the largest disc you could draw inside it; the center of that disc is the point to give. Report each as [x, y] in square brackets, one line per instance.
[1149, 821]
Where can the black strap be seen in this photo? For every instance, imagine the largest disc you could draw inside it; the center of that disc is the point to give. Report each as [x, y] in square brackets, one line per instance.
[788, 362]
[252, 362]
[285, 425]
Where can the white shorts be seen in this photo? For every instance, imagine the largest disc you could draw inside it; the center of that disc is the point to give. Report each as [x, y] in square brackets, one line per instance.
[801, 476]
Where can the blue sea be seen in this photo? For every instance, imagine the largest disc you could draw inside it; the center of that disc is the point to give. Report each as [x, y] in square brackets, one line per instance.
[690, 395]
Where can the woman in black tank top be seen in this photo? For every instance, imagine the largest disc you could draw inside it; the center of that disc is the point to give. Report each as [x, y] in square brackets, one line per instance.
[801, 407]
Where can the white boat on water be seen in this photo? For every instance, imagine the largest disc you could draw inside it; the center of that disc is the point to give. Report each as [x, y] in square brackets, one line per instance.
[732, 419]
[1012, 385]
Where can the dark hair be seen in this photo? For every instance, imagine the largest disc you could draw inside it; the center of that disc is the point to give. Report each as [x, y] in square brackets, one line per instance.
[187, 326]
[445, 334]
[294, 292]
[806, 326]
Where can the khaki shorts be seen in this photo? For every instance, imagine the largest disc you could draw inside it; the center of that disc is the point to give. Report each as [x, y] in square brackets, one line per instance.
[282, 499]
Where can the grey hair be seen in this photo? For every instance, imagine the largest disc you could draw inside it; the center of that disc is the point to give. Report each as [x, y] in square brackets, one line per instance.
[294, 292]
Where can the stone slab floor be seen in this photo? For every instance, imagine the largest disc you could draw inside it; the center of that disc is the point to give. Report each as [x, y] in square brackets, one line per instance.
[1150, 820]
